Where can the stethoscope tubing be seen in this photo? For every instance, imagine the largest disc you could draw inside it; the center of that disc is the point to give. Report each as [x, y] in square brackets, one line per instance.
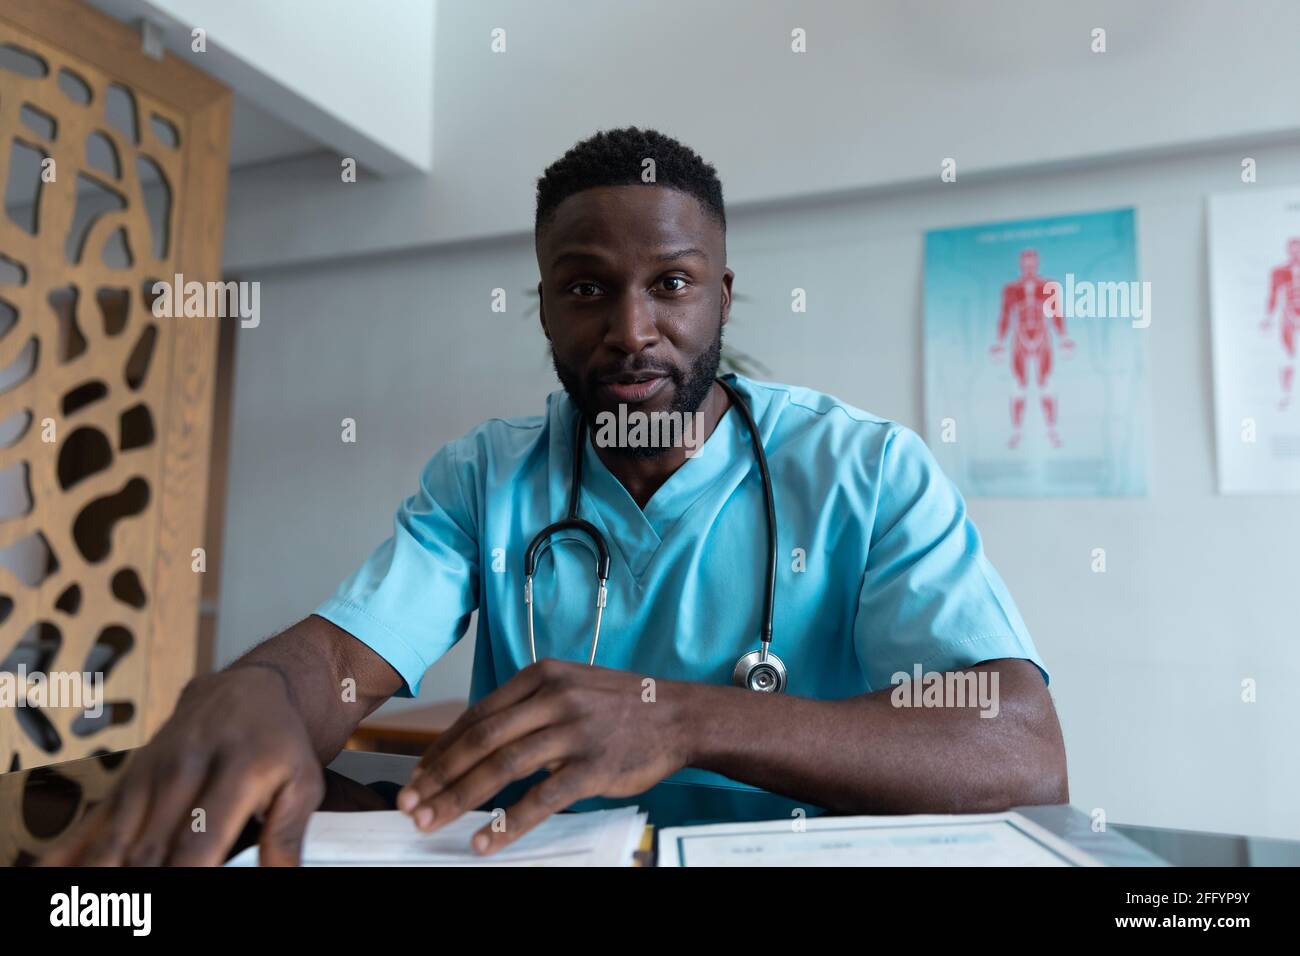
[573, 523]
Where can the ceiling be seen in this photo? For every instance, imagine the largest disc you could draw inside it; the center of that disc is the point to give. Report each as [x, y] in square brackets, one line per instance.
[255, 135]
[307, 75]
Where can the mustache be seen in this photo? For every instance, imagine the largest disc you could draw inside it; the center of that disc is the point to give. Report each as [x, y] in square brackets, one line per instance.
[635, 367]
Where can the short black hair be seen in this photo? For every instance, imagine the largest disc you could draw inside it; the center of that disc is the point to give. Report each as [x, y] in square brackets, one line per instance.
[615, 157]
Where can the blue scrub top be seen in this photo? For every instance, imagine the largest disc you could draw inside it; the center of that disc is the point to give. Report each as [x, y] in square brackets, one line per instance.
[879, 567]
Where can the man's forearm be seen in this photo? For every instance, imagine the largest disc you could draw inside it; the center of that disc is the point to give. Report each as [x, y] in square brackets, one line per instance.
[865, 755]
[332, 680]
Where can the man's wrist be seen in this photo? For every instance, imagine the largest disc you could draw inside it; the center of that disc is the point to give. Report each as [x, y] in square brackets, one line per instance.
[266, 667]
[695, 714]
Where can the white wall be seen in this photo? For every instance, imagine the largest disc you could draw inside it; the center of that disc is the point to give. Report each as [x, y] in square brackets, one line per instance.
[1147, 659]
[357, 77]
[887, 89]
[375, 306]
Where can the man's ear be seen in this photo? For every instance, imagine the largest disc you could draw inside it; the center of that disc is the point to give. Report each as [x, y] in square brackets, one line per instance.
[727, 276]
[541, 312]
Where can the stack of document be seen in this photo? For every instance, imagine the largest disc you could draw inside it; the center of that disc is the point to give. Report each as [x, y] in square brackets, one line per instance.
[390, 838]
[610, 837]
[980, 839]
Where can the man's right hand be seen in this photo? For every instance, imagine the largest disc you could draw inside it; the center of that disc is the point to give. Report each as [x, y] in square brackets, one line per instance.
[235, 748]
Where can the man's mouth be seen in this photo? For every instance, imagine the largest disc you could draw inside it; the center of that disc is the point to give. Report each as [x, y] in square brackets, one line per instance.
[632, 387]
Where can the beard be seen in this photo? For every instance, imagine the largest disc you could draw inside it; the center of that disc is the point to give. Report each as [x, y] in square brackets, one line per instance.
[690, 388]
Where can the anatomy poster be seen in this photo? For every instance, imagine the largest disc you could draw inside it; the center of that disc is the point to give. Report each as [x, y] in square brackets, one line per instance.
[1255, 303]
[1035, 356]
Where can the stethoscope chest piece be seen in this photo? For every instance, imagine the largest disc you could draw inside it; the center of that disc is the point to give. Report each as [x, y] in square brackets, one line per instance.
[759, 672]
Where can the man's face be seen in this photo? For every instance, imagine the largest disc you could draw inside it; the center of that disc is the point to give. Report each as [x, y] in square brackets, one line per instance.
[634, 292]
[1029, 262]
[1293, 248]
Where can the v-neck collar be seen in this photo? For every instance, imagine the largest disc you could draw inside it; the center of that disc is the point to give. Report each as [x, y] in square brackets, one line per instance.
[637, 534]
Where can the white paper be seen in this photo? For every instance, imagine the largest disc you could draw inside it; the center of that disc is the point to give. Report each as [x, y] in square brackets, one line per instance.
[390, 838]
[986, 839]
[1255, 304]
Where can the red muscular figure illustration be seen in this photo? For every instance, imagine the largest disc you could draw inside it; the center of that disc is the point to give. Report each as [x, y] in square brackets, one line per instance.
[1284, 291]
[1025, 303]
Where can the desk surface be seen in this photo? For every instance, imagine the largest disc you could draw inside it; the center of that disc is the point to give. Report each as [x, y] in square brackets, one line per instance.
[37, 805]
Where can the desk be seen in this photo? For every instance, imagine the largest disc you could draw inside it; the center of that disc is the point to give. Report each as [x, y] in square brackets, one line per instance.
[406, 731]
[37, 805]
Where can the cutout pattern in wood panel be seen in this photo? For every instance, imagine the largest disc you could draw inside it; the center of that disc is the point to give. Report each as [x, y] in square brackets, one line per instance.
[89, 169]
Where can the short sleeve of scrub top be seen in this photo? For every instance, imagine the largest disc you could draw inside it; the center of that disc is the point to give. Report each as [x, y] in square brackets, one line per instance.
[412, 598]
[930, 598]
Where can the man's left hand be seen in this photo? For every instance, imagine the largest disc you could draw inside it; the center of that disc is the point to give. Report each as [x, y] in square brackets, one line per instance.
[599, 732]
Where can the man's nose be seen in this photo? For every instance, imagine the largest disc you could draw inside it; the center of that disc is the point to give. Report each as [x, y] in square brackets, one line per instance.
[631, 324]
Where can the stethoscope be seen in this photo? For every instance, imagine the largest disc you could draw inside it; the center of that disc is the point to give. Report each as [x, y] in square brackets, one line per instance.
[759, 670]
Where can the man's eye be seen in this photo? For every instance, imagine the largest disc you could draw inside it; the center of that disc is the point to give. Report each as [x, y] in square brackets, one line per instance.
[584, 288]
[679, 288]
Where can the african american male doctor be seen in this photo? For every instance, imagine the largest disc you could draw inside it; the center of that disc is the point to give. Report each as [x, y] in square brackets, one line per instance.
[879, 571]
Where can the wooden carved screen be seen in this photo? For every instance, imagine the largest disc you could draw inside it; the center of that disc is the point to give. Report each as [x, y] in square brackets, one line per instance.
[114, 166]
